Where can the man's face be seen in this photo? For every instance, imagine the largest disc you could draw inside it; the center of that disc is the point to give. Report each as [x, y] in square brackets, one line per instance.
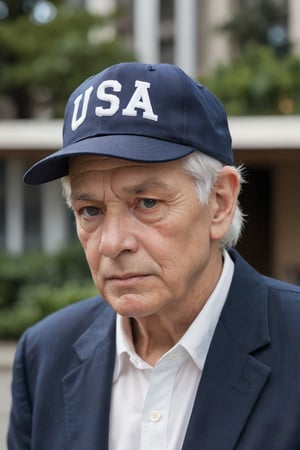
[146, 237]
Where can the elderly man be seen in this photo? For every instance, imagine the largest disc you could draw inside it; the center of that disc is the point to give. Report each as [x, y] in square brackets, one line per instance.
[187, 346]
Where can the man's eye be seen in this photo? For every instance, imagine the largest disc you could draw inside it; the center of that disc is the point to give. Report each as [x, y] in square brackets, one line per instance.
[147, 203]
[90, 211]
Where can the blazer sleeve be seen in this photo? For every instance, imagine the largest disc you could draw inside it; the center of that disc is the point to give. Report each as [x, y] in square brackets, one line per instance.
[19, 430]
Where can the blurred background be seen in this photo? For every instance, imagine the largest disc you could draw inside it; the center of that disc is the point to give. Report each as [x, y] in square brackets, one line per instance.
[246, 51]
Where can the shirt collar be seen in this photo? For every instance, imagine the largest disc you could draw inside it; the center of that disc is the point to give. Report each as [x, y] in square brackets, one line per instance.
[125, 347]
[197, 338]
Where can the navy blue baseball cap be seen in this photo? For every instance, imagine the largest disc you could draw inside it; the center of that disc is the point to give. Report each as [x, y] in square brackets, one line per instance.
[139, 112]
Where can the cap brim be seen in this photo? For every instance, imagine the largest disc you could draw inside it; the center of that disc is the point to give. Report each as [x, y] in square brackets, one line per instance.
[130, 147]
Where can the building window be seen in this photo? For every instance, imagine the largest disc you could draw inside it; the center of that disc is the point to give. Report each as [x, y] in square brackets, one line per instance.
[2, 206]
[32, 218]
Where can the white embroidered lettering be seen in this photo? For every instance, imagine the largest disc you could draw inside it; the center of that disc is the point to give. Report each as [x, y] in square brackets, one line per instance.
[141, 100]
[77, 121]
[110, 98]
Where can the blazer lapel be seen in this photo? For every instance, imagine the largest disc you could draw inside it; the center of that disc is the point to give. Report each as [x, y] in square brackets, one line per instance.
[87, 389]
[232, 378]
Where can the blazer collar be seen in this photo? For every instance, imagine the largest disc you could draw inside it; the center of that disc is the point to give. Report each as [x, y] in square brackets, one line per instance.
[101, 330]
[87, 388]
[232, 378]
[245, 314]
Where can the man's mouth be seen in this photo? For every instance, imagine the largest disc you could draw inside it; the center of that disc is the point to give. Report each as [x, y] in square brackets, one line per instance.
[127, 278]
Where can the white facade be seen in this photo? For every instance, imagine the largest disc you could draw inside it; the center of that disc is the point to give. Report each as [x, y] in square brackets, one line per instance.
[102, 7]
[13, 216]
[146, 32]
[54, 228]
[195, 46]
[185, 23]
[25, 141]
[293, 25]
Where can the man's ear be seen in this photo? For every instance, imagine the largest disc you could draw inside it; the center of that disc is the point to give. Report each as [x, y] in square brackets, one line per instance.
[224, 199]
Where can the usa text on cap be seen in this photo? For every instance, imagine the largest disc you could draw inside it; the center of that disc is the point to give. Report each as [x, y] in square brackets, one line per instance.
[140, 112]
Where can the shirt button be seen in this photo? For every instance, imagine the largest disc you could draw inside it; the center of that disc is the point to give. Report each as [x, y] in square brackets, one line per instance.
[154, 416]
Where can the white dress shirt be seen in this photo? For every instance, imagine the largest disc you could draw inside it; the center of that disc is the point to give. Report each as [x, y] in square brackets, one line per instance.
[151, 406]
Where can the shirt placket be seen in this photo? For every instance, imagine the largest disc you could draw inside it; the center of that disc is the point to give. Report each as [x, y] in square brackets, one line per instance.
[154, 429]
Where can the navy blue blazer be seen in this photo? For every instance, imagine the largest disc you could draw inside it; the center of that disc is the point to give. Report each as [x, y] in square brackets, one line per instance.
[248, 397]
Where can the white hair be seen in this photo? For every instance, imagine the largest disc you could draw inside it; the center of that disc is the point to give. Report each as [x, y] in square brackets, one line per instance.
[205, 170]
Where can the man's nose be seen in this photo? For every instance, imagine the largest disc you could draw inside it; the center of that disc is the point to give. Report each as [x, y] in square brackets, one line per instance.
[117, 235]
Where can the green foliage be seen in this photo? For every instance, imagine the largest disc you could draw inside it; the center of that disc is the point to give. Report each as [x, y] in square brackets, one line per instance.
[42, 64]
[258, 83]
[35, 285]
[36, 302]
[259, 21]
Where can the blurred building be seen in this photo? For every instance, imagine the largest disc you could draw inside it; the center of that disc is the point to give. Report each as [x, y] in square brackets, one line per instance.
[185, 32]
[181, 32]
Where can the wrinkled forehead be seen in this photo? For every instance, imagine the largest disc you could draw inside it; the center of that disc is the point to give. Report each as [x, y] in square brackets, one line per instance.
[87, 163]
[93, 174]
[80, 163]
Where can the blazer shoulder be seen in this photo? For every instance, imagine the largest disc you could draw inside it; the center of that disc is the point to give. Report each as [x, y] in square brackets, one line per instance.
[255, 300]
[282, 287]
[284, 311]
[247, 278]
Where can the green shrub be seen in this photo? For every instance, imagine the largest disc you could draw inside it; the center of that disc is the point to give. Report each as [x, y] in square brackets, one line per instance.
[258, 82]
[34, 285]
[37, 301]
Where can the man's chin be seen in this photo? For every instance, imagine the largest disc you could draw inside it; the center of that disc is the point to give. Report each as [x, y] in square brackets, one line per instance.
[133, 305]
